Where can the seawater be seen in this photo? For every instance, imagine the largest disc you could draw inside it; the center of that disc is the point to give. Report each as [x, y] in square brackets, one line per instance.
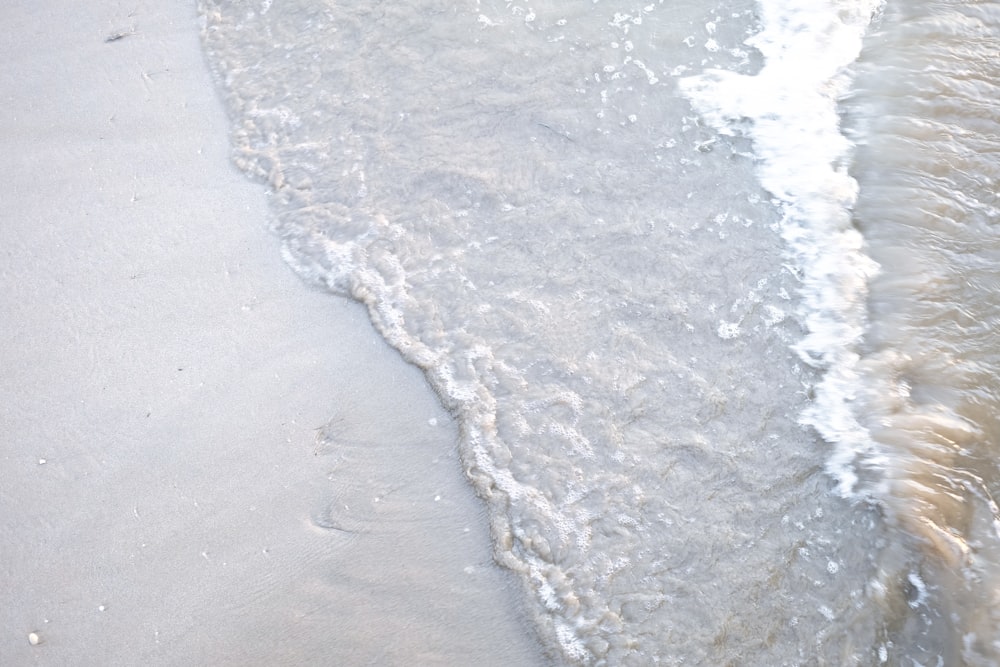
[709, 287]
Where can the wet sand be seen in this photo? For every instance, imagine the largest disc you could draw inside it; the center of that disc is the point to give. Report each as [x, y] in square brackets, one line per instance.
[205, 462]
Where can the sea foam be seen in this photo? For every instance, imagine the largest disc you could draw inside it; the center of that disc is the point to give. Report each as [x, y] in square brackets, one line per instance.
[789, 110]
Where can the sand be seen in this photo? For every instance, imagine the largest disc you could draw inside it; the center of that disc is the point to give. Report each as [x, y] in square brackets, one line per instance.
[204, 461]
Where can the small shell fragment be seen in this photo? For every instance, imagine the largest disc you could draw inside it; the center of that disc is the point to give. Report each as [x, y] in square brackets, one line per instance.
[34, 639]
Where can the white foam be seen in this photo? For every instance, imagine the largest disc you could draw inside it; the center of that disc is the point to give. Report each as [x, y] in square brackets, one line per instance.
[728, 330]
[919, 588]
[789, 109]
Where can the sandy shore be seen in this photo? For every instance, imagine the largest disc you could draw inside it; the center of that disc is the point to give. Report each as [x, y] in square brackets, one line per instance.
[204, 462]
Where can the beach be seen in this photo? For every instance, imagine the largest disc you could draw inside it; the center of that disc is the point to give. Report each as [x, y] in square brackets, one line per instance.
[205, 460]
[429, 333]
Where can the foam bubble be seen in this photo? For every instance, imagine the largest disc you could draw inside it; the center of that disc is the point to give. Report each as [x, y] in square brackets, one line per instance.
[728, 330]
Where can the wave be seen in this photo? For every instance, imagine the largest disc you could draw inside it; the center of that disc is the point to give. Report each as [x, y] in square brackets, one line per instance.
[790, 110]
[896, 317]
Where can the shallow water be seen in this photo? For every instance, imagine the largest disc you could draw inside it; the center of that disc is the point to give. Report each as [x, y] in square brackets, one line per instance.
[926, 120]
[619, 240]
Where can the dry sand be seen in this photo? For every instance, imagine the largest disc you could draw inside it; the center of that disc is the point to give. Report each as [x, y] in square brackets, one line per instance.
[203, 461]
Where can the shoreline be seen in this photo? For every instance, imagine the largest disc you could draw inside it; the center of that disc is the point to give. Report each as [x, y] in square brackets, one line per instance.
[207, 461]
